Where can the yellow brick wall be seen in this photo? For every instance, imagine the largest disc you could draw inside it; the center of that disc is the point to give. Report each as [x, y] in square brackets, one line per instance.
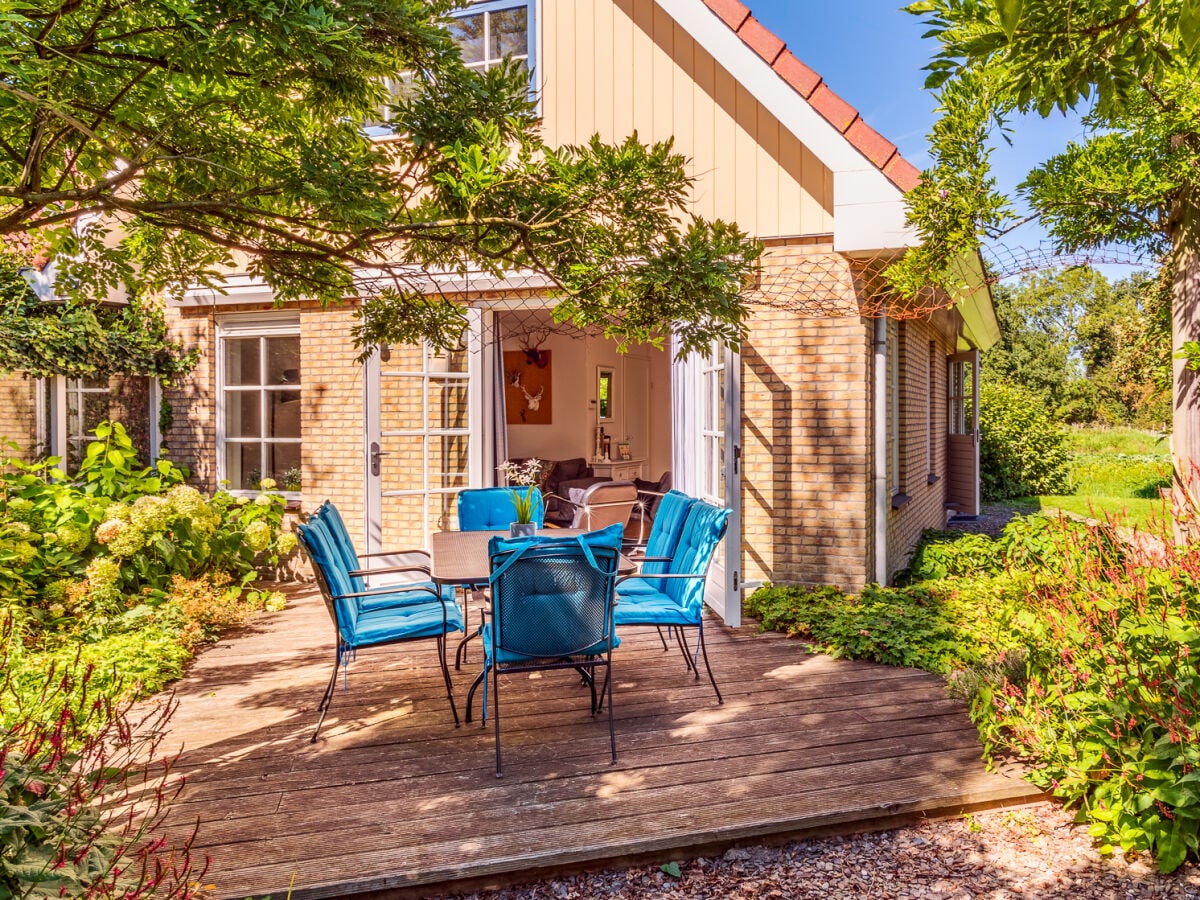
[18, 415]
[806, 440]
[926, 505]
[192, 439]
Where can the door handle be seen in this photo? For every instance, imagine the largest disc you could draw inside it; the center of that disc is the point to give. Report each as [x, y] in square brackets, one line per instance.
[376, 455]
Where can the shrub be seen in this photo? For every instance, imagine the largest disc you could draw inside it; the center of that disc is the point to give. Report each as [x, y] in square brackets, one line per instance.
[1021, 452]
[942, 554]
[81, 795]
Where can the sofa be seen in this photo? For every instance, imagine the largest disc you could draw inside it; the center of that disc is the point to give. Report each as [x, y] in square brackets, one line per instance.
[558, 477]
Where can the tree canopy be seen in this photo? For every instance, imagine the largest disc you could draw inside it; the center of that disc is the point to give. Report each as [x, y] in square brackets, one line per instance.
[1133, 179]
[197, 137]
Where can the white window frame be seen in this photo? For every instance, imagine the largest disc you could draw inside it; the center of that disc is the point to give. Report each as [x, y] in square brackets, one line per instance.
[54, 428]
[252, 326]
[382, 129]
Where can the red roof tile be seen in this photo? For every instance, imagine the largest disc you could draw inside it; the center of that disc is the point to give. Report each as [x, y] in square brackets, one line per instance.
[809, 85]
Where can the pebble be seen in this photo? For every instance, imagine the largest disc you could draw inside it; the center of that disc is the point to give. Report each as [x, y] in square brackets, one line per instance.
[1031, 853]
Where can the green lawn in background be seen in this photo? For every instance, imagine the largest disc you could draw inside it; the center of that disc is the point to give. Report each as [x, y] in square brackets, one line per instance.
[1116, 471]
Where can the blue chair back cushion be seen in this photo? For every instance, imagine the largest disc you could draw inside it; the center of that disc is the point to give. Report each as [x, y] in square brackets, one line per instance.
[672, 514]
[492, 509]
[702, 532]
[317, 542]
[552, 597]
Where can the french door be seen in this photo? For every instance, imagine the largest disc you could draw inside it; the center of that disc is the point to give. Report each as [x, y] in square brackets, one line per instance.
[706, 452]
[962, 441]
[421, 440]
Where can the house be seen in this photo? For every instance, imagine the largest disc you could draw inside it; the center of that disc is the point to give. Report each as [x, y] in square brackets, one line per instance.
[836, 437]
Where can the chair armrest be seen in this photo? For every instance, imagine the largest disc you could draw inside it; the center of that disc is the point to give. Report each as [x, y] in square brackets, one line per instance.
[654, 576]
[387, 570]
[413, 552]
[392, 589]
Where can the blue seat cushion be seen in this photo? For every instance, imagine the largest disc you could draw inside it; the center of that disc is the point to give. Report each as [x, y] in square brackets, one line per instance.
[506, 657]
[381, 626]
[634, 586]
[655, 608]
[407, 597]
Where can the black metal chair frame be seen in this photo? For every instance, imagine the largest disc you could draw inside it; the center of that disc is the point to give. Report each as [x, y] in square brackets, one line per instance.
[342, 649]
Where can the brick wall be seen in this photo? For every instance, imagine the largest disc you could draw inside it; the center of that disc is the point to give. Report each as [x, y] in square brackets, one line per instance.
[192, 438]
[924, 347]
[806, 442]
[18, 415]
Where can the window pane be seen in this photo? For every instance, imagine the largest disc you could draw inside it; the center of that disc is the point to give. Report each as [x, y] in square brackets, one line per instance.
[285, 465]
[448, 404]
[448, 461]
[242, 361]
[283, 360]
[509, 33]
[242, 414]
[243, 466]
[467, 32]
[442, 512]
[283, 414]
[450, 361]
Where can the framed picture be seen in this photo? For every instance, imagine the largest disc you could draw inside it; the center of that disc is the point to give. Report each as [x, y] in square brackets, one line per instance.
[623, 451]
[527, 399]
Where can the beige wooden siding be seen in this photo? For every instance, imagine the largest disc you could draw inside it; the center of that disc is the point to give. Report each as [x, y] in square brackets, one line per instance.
[613, 67]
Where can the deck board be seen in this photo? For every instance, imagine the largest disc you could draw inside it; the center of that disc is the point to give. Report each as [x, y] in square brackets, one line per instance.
[393, 797]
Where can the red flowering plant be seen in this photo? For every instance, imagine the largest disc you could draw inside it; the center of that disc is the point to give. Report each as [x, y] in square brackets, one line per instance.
[83, 790]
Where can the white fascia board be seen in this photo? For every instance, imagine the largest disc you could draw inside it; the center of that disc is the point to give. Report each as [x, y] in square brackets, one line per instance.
[868, 208]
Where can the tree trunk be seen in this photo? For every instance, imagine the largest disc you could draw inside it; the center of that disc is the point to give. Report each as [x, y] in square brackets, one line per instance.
[1185, 326]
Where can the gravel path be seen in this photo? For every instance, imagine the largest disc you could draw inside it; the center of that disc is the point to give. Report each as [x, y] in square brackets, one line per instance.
[1029, 852]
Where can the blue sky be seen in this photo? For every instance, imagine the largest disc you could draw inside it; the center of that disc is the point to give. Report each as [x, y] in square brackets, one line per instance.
[871, 53]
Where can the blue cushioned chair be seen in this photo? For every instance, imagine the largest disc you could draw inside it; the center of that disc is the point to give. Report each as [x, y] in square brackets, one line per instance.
[492, 509]
[374, 616]
[552, 608]
[656, 555]
[673, 595]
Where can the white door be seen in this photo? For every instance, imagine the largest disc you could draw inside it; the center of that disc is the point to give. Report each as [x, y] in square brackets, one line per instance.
[707, 415]
[422, 441]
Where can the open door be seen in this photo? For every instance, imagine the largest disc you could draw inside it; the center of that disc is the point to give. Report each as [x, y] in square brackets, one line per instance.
[422, 439]
[962, 442]
[706, 458]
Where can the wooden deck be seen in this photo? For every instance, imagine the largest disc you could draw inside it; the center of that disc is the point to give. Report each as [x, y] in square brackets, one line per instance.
[393, 798]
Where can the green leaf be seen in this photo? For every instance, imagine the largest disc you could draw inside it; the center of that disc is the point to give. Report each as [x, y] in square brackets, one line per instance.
[1189, 24]
[1009, 12]
[672, 869]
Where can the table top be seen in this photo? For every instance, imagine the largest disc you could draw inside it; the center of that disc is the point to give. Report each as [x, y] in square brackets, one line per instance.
[461, 557]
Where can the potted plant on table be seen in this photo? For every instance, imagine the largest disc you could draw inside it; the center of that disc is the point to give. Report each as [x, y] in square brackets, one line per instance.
[524, 478]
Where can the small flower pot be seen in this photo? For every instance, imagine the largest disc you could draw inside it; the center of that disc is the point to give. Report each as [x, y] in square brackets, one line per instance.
[522, 529]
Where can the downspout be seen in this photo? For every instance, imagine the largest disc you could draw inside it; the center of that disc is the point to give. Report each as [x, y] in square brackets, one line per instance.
[882, 500]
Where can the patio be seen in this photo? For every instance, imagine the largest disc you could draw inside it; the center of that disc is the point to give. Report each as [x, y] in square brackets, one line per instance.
[394, 800]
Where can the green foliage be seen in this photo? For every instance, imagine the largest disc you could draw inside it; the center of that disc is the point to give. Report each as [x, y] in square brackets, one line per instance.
[81, 339]
[128, 563]
[243, 128]
[82, 793]
[1021, 451]
[1076, 649]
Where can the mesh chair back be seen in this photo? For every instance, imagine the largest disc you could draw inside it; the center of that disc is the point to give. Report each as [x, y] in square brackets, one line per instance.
[553, 597]
[702, 533]
[604, 504]
[492, 509]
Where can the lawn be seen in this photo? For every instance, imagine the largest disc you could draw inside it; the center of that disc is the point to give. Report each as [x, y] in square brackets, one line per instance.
[1115, 471]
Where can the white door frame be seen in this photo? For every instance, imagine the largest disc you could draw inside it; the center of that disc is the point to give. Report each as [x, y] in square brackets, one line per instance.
[692, 458]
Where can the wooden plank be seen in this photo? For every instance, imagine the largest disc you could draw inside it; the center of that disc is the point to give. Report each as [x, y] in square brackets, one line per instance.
[394, 796]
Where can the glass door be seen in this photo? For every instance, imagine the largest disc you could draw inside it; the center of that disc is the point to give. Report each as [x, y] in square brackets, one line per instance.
[420, 448]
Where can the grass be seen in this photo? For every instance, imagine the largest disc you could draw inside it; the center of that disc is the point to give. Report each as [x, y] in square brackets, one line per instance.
[1116, 471]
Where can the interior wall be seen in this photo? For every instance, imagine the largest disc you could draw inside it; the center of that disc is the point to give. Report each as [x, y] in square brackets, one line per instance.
[574, 363]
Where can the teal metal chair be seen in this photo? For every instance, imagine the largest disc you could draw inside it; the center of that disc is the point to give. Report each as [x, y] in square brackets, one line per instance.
[492, 509]
[552, 608]
[372, 617]
[673, 594]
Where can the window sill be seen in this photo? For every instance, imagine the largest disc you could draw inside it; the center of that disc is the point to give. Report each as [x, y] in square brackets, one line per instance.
[932, 479]
[899, 500]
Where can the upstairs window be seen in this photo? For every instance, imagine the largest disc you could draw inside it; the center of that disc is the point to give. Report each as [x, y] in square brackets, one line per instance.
[488, 32]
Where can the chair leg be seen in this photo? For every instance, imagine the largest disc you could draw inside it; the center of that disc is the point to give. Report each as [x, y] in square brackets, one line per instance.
[604, 689]
[471, 697]
[612, 726]
[327, 698]
[441, 652]
[687, 651]
[704, 652]
[662, 637]
[496, 715]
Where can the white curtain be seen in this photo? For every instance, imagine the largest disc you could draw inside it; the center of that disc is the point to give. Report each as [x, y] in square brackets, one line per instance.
[685, 421]
[496, 449]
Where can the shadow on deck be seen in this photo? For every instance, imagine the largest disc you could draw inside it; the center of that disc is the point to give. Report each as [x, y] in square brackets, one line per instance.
[393, 799]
